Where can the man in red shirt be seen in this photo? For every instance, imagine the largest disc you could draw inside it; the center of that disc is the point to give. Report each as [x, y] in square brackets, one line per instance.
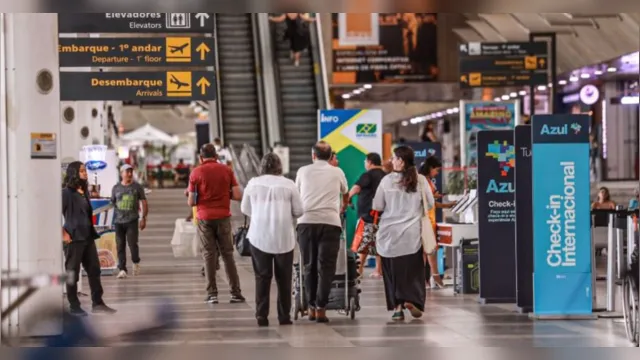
[212, 186]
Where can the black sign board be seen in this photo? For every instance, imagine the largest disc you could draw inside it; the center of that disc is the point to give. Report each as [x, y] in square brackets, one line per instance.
[112, 52]
[503, 64]
[524, 219]
[423, 150]
[140, 86]
[496, 220]
[135, 23]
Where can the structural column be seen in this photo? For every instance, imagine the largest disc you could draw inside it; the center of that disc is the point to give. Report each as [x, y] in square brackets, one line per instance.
[31, 234]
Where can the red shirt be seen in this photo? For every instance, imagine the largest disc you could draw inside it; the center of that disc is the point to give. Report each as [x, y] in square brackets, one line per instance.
[213, 183]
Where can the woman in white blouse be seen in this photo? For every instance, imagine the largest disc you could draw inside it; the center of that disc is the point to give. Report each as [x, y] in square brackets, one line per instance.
[399, 242]
[272, 202]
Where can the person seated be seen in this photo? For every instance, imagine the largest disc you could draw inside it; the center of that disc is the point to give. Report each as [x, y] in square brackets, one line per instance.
[604, 201]
[181, 173]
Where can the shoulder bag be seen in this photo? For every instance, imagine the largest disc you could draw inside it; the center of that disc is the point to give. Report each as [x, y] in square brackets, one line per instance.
[241, 241]
[429, 243]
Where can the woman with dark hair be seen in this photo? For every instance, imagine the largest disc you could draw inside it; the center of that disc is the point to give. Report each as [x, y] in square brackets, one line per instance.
[273, 203]
[430, 169]
[604, 201]
[399, 243]
[79, 237]
[429, 133]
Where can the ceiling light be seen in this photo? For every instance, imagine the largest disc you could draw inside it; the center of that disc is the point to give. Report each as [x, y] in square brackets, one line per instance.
[585, 76]
[357, 91]
[367, 86]
[346, 96]
[497, 99]
[513, 94]
[598, 72]
[522, 93]
[449, 111]
[542, 88]
[414, 120]
[405, 123]
[550, 85]
[629, 100]
[456, 110]
[505, 97]
[573, 79]
[562, 82]
[612, 69]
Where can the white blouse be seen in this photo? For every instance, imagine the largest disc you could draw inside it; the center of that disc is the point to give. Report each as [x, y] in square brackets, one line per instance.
[272, 203]
[399, 229]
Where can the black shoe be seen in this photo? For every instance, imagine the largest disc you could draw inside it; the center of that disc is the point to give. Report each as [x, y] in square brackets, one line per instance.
[211, 299]
[263, 322]
[77, 311]
[237, 299]
[103, 309]
[286, 322]
[321, 316]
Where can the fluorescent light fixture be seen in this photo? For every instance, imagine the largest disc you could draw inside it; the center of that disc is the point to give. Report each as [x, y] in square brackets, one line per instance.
[522, 93]
[573, 79]
[630, 100]
[357, 91]
[542, 88]
[346, 96]
[455, 110]
[513, 94]
[405, 123]
[505, 97]
[449, 111]
[562, 82]
[598, 72]
[585, 76]
[497, 99]
[414, 120]
[367, 86]
[612, 69]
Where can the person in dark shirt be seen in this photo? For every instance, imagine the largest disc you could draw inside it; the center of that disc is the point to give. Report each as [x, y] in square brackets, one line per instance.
[366, 188]
[79, 235]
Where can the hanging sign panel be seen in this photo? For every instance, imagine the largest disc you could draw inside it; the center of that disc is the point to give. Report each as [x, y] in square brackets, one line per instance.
[496, 216]
[135, 23]
[131, 86]
[171, 51]
[561, 216]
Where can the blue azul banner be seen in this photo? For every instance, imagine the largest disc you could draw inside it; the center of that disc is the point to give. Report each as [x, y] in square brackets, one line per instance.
[561, 219]
[423, 150]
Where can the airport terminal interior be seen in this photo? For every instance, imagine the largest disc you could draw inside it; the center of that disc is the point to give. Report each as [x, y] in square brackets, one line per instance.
[527, 124]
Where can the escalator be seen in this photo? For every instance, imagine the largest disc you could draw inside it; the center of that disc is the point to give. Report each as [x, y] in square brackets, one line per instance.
[239, 98]
[299, 98]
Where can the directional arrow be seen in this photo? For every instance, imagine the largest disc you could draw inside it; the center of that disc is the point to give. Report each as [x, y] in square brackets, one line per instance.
[463, 78]
[203, 84]
[203, 49]
[202, 17]
[542, 62]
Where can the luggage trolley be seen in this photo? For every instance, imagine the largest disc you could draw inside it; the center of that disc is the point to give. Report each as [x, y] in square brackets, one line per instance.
[345, 289]
[630, 294]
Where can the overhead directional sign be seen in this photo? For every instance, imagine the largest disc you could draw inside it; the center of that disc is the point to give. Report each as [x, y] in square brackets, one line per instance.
[503, 64]
[135, 23]
[137, 86]
[111, 52]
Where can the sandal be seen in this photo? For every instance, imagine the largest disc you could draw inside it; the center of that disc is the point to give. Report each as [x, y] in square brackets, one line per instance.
[398, 316]
[415, 312]
[375, 275]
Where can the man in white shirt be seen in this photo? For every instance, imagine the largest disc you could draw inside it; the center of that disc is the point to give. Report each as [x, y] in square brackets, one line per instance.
[224, 156]
[321, 185]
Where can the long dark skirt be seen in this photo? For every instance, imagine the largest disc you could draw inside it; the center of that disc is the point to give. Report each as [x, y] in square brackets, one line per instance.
[404, 280]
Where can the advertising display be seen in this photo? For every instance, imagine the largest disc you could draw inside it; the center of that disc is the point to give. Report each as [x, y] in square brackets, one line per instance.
[352, 134]
[103, 216]
[423, 150]
[524, 219]
[384, 48]
[102, 168]
[496, 216]
[482, 115]
[561, 216]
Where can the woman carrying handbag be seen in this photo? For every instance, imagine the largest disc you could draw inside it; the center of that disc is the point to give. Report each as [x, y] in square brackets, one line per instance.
[404, 234]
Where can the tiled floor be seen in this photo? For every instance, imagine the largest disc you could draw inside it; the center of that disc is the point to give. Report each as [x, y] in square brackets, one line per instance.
[448, 322]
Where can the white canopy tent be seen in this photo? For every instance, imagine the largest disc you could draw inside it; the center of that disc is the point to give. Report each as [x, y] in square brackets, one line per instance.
[149, 134]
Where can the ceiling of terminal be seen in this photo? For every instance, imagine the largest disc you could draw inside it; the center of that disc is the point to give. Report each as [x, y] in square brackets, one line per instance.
[583, 39]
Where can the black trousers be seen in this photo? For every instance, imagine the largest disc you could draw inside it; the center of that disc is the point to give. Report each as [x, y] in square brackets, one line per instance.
[127, 233]
[319, 245]
[404, 280]
[266, 265]
[83, 253]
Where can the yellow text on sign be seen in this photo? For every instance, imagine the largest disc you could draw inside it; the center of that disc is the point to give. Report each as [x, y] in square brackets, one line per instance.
[179, 83]
[178, 49]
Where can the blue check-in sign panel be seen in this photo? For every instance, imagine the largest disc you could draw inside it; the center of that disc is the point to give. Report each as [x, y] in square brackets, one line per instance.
[561, 215]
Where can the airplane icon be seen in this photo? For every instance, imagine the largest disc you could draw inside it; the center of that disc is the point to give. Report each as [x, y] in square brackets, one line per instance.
[180, 49]
[178, 83]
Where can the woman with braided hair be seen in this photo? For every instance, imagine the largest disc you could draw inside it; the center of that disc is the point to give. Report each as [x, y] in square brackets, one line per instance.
[273, 203]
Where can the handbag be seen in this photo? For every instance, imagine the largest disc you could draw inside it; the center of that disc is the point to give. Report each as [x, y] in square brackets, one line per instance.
[429, 243]
[243, 246]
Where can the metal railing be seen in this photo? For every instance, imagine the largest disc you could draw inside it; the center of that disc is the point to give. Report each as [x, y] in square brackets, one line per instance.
[245, 162]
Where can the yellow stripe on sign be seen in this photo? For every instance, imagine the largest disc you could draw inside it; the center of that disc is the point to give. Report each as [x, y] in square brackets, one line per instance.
[339, 142]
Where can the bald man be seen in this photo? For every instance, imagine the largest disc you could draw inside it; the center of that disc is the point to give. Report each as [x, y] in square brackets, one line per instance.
[321, 185]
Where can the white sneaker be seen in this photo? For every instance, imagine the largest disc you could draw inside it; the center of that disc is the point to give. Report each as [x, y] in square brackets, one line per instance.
[122, 274]
[136, 269]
